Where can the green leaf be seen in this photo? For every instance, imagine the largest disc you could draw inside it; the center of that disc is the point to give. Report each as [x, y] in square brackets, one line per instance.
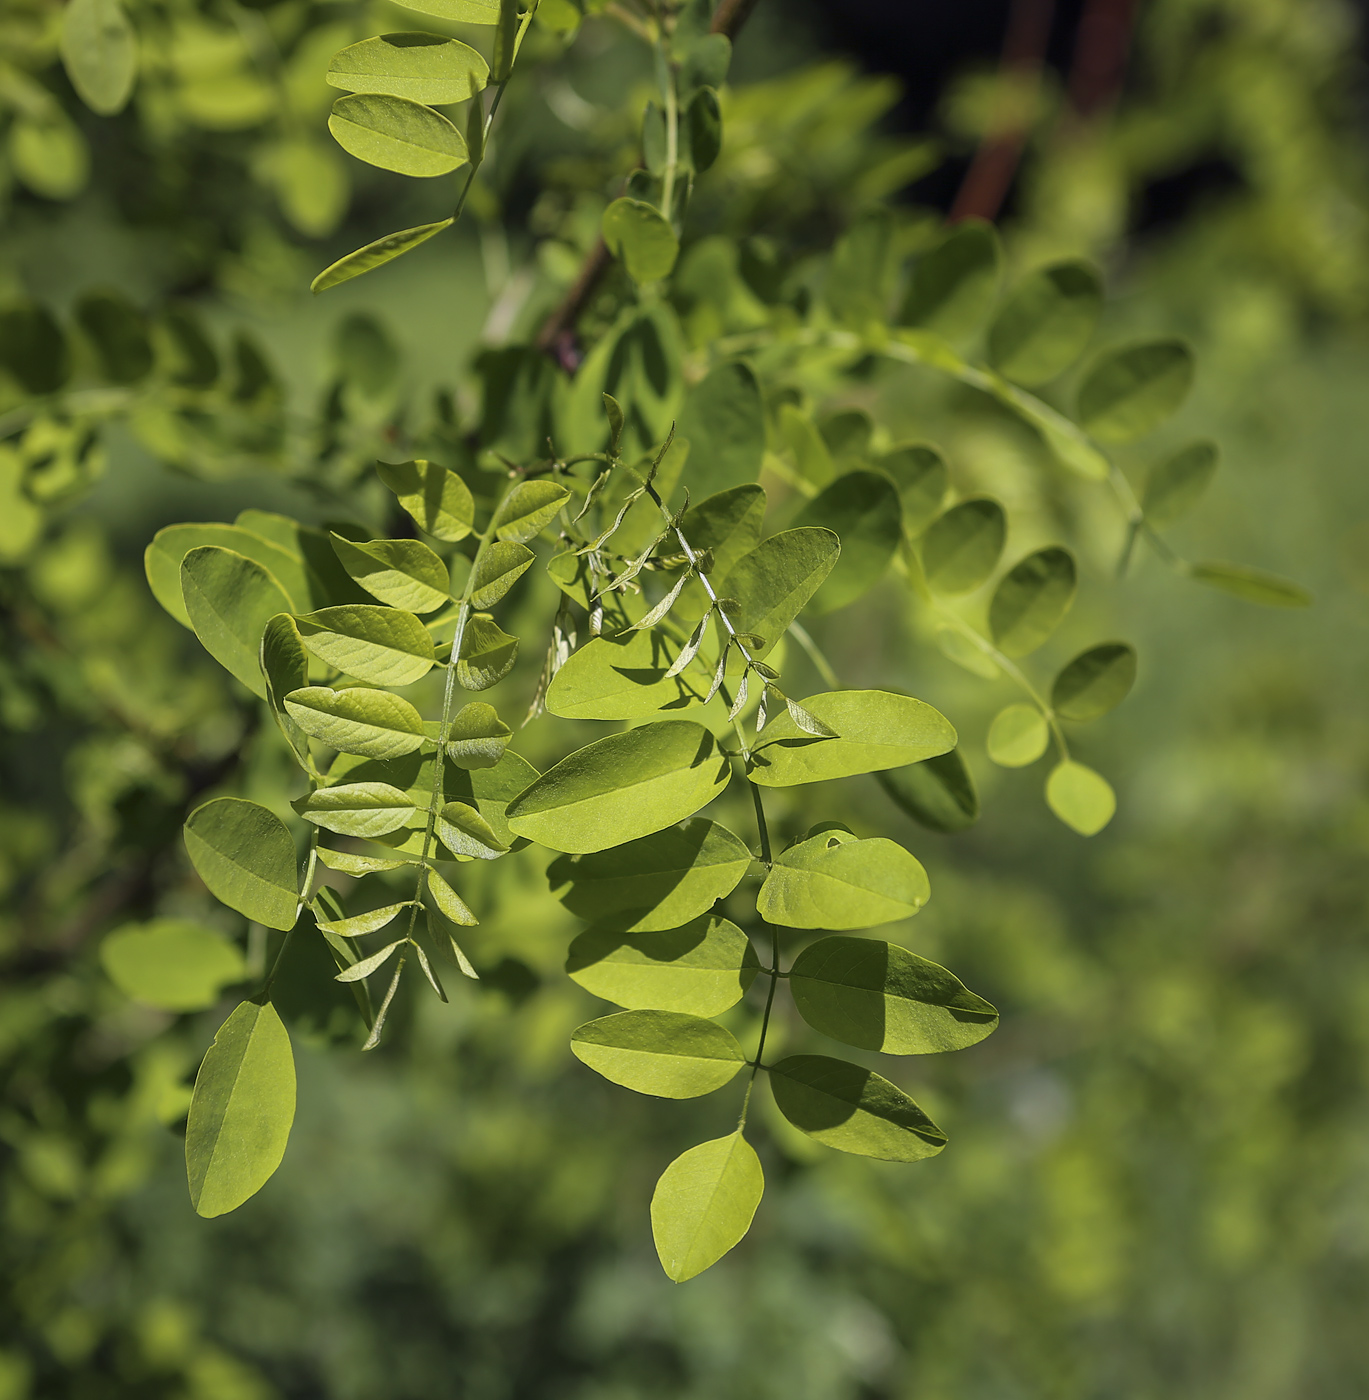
[664, 1053]
[703, 129]
[464, 832]
[1096, 681]
[477, 737]
[623, 677]
[376, 254]
[284, 665]
[724, 420]
[1047, 322]
[403, 573]
[938, 792]
[487, 653]
[727, 524]
[961, 548]
[163, 558]
[622, 787]
[1081, 798]
[701, 968]
[800, 436]
[919, 471]
[450, 904]
[229, 599]
[637, 233]
[776, 579]
[1031, 600]
[241, 1110]
[658, 882]
[853, 1109]
[364, 967]
[458, 11]
[834, 881]
[245, 855]
[1177, 484]
[171, 963]
[372, 723]
[956, 646]
[706, 62]
[860, 273]
[384, 646]
[421, 67]
[876, 730]
[397, 135]
[954, 285]
[528, 509]
[318, 579]
[1254, 585]
[349, 864]
[118, 331]
[439, 501]
[1018, 736]
[878, 996]
[33, 348]
[500, 565]
[1130, 391]
[704, 1203]
[359, 925]
[865, 512]
[100, 53]
[356, 809]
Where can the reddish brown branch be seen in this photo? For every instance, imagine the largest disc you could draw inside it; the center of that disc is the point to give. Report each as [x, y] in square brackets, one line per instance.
[991, 173]
[557, 335]
[1100, 55]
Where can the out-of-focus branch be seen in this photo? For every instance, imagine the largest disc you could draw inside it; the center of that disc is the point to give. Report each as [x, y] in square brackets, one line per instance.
[991, 173]
[557, 335]
[1100, 55]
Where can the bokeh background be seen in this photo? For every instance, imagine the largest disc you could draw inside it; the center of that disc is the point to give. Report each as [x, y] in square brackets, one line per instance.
[1158, 1178]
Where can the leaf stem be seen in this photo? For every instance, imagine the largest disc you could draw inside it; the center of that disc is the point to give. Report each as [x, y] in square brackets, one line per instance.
[672, 131]
[814, 652]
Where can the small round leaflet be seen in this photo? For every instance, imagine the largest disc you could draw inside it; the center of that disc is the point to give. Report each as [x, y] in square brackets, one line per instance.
[1081, 798]
[1018, 736]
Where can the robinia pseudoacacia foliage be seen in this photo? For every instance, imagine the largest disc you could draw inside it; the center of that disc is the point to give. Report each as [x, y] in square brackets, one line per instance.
[677, 603]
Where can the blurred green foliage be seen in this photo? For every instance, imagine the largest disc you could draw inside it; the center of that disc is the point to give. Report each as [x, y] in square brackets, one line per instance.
[1158, 1184]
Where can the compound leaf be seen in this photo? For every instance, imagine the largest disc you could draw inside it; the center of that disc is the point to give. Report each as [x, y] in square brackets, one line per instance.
[853, 1109]
[172, 963]
[372, 723]
[421, 67]
[1046, 322]
[961, 548]
[527, 509]
[657, 882]
[241, 1110]
[622, 787]
[878, 996]
[1018, 736]
[397, 135]
[954, 285]
[1254, 585]
[1031, 600]
[1096, 681]
[357, 809]
[1132, 390]
[875, 729]
[246, 857]
[439, 501]
[403, 573]
[704, 1203]
[938, 792]
[701, 968]
[777, 578]
[665, 1053]
[487, 653]
[477, 736]
[385, 646]
[637, 233]
[1177, 484]
[834, 881]
[1081, 798]
[865, 511]
[229, 599]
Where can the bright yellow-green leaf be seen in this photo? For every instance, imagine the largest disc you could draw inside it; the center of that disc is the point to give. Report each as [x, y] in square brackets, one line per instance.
[664, 1053]
[100, 53]
[229, 599]
[171, 963]
[637, 233]
[421, 67]
[372, 723]
[397, 135]
[487, 653]
[624, 677]
[385, 646]
[704, 1203]
[375, 254]
[1018, 736]
[477, 736]
[834, 881]
[1081, 798]
[357, 809]
[776, 579]
[246, 856]
[403, 573]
